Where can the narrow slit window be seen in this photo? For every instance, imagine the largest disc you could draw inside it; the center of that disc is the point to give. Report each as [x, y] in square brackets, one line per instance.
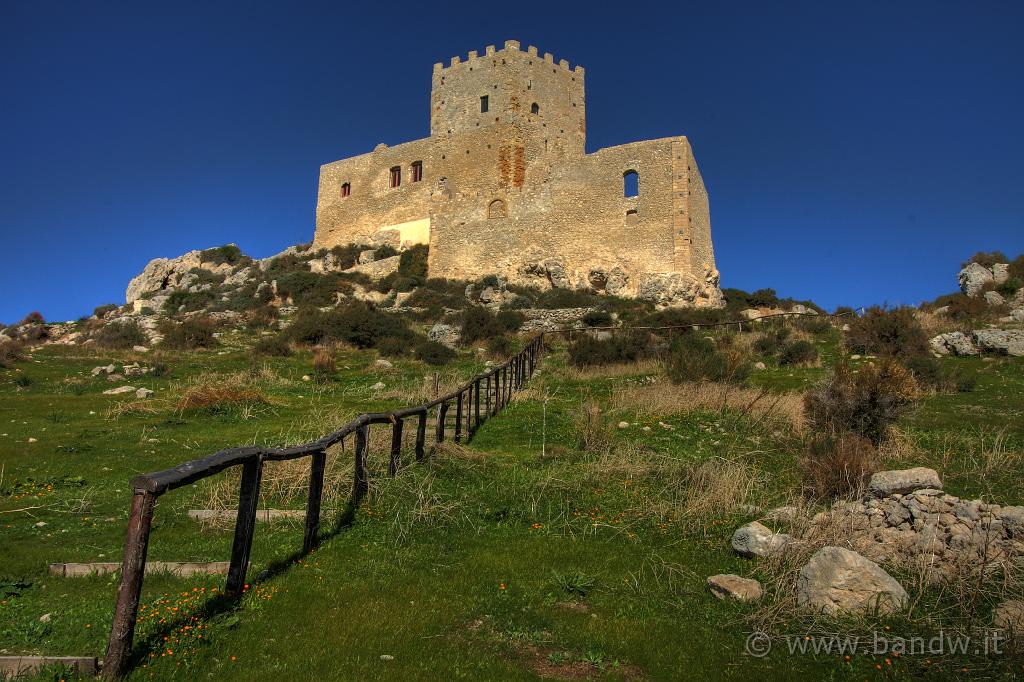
[417, 171]
[630, 184]
[484, 104]
[346, 189]
[534, 108]
[396, 176]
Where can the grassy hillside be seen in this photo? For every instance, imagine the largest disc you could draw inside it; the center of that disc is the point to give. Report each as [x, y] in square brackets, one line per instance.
[558, 543]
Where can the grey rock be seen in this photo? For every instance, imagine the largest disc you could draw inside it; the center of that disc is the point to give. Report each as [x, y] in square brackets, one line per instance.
[757, 540]
[379, 268]
[367, 256]
[379, 386]
[838, 580]
[903, 481]
[1002, 341]
[731, 586]
[994, 298]
[1010, 616]
[957, 343]
[143, 393]
[120, 390]
[973, 277]
[447, 334]
[1000, 272]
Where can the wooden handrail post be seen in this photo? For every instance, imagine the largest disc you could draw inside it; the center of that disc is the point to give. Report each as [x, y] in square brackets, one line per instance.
[361, 476]
[469, 412]
[396, 447]
[458, 418]
[442, 414]
[133, 568]
[245, 524]
[487, 397]
[421, 436]
[318, 461]
[476, 401]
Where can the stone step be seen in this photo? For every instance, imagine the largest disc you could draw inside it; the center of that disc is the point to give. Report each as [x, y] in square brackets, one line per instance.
[15, 667]
[182, 569]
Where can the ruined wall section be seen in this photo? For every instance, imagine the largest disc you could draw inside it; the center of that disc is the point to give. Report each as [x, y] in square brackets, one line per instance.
[701, 250]
[372, 206]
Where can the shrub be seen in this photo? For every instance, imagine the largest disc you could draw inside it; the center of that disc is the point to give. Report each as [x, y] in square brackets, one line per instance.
[818, 325]
[866, 403]
[34, 317]
[837, 465]
[622, 347]
[287, 263]
[798, 352]
[988, 259]
[272, 346]
[188, 335]
[23, 381]
[693, 357]
[263, 317]
[324, 368]
[355, 322]
[347, 255]
[963, 308]
[1016, 269]
[1010, 287]
[763, 298]
[502, 346]
[892, 332]
[480, 323]
[229, 253]
[121, 334]
[413, 263]
[309, 288]
[930, 372]
[393, 348]
[101, 311]
[434, 353]
[184, 301]
[517, 302]
[10, 353]
[682, 317]
[221, 397]
[769, 344]
[598, 318]
[567, 298]
[385, 251]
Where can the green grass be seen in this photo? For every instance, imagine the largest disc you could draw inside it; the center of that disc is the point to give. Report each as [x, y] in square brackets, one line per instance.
[491, 563]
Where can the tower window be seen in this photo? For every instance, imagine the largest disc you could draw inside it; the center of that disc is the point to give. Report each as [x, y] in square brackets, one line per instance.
[417, 171]
[534, 108]
[346, 189]
[630, 184]
[496, 209]
[484, 104]
[396, 176]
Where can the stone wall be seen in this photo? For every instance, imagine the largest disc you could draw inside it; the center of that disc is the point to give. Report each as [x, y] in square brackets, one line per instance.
[511, 192]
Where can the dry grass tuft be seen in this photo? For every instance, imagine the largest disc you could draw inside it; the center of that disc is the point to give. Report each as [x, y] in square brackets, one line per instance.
[421, 391]
[647, 366]
[663, 398]
[222, 394]
[134, 407]
[594, 431]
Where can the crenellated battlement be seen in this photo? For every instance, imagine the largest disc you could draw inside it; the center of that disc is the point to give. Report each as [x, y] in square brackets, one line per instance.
[511, 47]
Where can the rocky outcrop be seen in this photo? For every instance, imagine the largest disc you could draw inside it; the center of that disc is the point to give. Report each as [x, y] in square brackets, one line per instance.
[378, 269]
[675, 289]
[956, 343]
[447, 334]
[838, 580]
[730, 586]
[903, 481]
[974, 276]
[542, 319]
[1000, 341]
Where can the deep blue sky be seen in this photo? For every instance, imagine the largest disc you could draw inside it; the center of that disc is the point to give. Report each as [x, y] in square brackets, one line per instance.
[854, 153]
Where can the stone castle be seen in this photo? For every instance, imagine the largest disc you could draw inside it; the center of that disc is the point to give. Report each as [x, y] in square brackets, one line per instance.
[504, 186]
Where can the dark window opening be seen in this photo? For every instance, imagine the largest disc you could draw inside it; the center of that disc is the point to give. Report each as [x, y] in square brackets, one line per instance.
[484, 104]
[534, 108]
[496, 209]
[630, 184]
[396, 176]
[346, 189]
[417, 171]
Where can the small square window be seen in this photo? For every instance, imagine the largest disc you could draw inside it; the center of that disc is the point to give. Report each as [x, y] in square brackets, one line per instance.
[346, 189]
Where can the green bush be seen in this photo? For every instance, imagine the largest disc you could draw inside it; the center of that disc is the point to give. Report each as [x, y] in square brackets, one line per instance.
[434, 353]
[1016, 269]
[966, 309]
[306, 288]
[818, 325]
[1008, 288]
[621, 347]
[769, 344]
[931, 373]
[229, 253]
[480, 323]
[347, 256]
[988, 259]
[263, 317]
[693, 357]
[517, 302]
[355, 322]
[287, 263]
[184, 301]
[892, 332]
[837, 465]
[120, 334]
[101, 311]
[598, 318]
[553, 299]
[797, 352]
[272, 346]
[682, 317]
[34, 317]
[385, 251]
[502, 346]
[393, 348]
[413, 263]
[189, 334]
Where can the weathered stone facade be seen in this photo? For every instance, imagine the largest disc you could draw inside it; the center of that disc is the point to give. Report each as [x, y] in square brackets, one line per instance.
[503, 186]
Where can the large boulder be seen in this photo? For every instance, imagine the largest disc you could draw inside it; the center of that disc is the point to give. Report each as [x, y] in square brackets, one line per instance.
[162, 274]
[730, 586]
[903, 481]
[957, 343]
[973, 277]
[378, 269]
[447, 334]
[757, 540]
[994, 298]
[675, 289]
[838, 580]
[1002, 341]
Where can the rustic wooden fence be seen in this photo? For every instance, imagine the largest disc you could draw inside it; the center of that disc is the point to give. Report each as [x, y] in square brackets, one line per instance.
[482, 396]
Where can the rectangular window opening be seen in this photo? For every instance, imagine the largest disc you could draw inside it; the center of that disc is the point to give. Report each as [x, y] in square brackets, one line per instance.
[396, 176]
[484, 104]
[417, 171]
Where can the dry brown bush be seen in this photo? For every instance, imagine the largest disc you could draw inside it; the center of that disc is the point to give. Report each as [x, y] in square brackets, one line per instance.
[662, 398]
[836, 466]
[592, 428]
[324, 367]
[220, 393]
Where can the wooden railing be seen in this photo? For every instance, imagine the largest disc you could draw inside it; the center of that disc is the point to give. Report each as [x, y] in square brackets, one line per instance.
[489, 392]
